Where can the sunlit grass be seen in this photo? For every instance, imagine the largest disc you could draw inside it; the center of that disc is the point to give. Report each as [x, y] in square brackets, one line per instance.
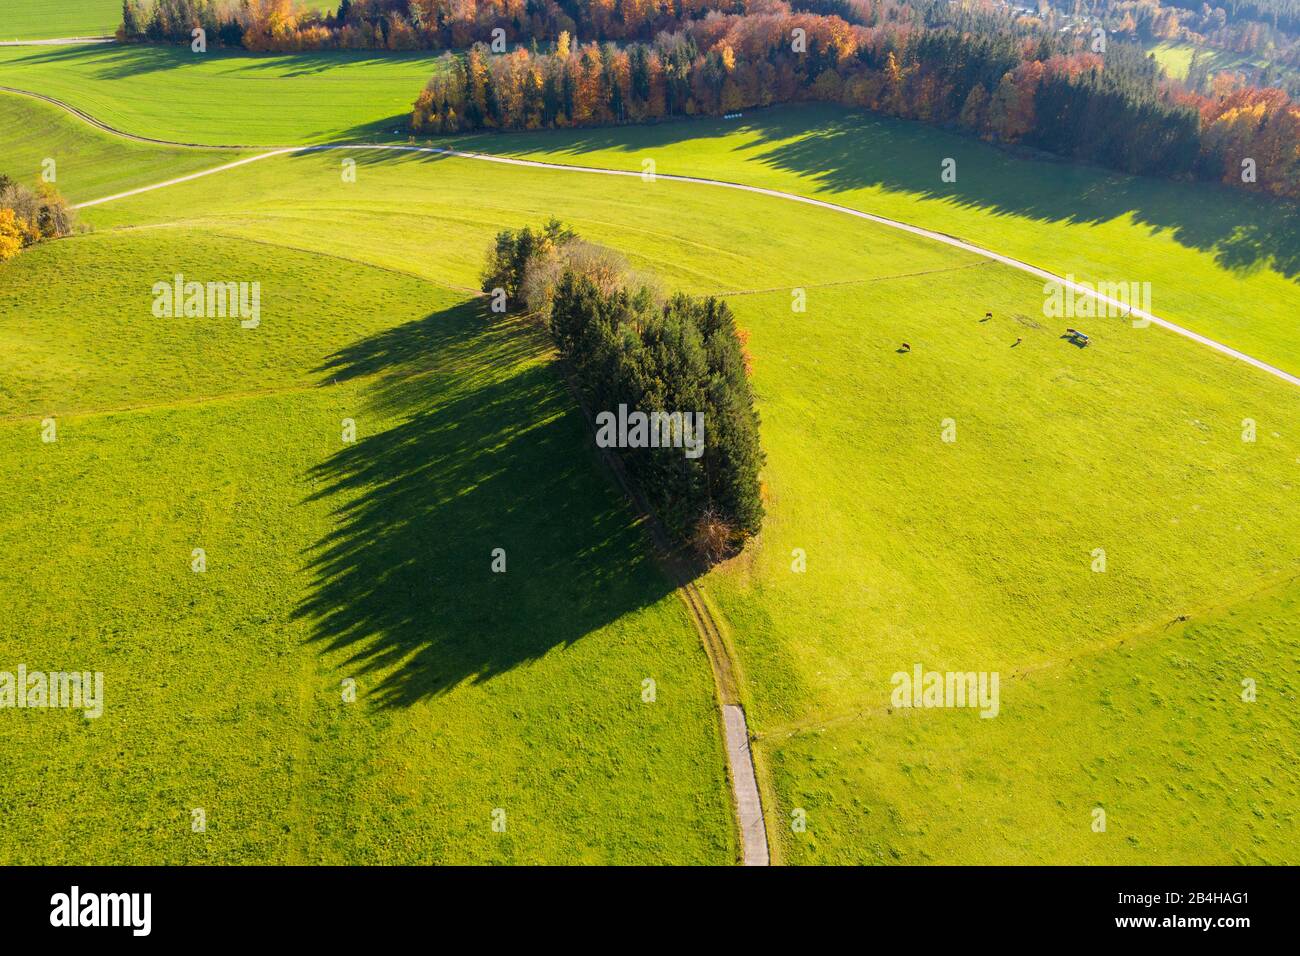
[42, 20]
[976, 554]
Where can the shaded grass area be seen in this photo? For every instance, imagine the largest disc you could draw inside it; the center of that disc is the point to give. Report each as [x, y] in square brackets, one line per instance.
[329, 561]
[1154, 732]
[466, 471]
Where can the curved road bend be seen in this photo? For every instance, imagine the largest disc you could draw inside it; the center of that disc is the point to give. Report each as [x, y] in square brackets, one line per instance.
[596, 170]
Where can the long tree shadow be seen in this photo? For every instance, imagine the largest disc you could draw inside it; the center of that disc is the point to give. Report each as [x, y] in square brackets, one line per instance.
[839, 150]
[120, 61]
[482, 449]
[859, 150]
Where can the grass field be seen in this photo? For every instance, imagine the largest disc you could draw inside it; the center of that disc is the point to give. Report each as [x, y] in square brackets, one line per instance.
[225, 98]
[1154, 732]
[1216, 262]
[42, 20]
[1176, 58]
[969, 555]
[978, 556]
[86, 164]
[326, 561]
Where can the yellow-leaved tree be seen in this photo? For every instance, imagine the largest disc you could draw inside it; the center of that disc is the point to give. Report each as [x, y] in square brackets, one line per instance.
[11, 235]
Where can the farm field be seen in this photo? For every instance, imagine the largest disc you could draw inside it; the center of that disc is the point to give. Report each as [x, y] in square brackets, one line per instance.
[42, 20]
[1221, 265]
[327, 561]
[1153, 731]
[973, 554]
[1176, 58]
[88, 165]
[223, 98]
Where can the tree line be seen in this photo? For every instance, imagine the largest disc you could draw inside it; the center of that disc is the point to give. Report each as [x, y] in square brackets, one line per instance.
[1260, 26]
[1112, 109]
[678, 360]
[284, 26]
[1004, 76]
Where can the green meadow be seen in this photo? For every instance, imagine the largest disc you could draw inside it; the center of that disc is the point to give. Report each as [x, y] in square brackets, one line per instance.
[981, 555]
[222, 97]
[1216, 261]
[42, 20]
[326, 561]
[87, 165]
[329, 560]
[1151, 730]
[1176, 58]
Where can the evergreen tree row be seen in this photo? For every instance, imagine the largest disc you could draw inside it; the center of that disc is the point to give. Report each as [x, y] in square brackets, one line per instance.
[628, 347]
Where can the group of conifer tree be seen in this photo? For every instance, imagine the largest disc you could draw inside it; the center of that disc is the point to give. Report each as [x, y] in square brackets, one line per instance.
[627, 344]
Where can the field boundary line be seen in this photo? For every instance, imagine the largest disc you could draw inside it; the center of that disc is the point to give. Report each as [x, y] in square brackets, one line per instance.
[844, 282]
[933, 235]
[181, 403]
[205, 225]
[1197, 614]
[101, 125]
[475, 293]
